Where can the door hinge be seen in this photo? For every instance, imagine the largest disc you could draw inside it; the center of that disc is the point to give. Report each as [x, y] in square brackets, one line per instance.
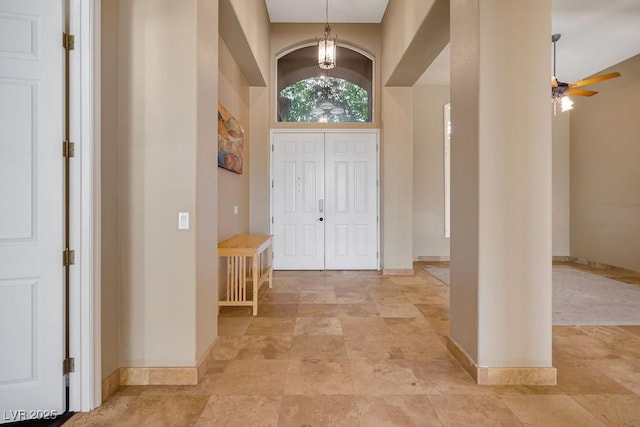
[68, 365]
[68, 41]
[272, 220]
[68, 257]
[272, 148]
[68, 149]
[271, 183]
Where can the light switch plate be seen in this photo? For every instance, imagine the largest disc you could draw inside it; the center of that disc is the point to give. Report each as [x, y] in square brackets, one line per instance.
[183, 220]
[235, 209]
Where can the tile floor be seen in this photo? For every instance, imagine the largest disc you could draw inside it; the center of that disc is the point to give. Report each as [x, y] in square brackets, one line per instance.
[359, 349]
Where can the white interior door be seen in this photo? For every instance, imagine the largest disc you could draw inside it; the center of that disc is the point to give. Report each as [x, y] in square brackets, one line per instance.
[31, 209]
[352, 203]
[298, 197]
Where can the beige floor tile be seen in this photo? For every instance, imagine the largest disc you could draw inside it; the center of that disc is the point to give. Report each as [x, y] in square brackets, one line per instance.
[356, 310]
[434, 311]
[318, 411]
[588, 380]
[390, 297]
[165, 410]
[387, 359]
[549, 410]
[635, 329]
[318, 326]
[317, 310]
[400, 411]
[264, 347]
[373, 347]
[280, 298]
[626, 343]
[624, 371]
[423, 347]
[325, 297]
[472, 410]
[318, 347]
[575, 346]
[398, 310]
[253, 377]
[407, 280]
[318, 377]
[439, 326]
[362, 326]
[383, 377]
[226, 347]
[108, 413]
[445, 376]
[233, 325]
[407, 326]
[278, 310]
[612, 410]
[241, 411]
[230, 311]
[271, 326]
[354, 297]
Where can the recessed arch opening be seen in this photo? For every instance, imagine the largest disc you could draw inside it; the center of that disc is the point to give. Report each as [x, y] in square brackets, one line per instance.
[306, 93]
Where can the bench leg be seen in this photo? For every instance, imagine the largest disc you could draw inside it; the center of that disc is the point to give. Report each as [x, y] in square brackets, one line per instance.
[256, 285]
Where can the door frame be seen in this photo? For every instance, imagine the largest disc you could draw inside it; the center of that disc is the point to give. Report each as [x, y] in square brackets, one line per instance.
[274, 131]
[85, 384]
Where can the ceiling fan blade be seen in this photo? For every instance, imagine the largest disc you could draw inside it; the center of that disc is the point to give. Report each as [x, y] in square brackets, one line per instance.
[554, 81]
[593, 80]
[580, 92]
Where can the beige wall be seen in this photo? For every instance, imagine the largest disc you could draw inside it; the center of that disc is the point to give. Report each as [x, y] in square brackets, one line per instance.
[413, 34]
[561, 189]
[167, 101]
[397, 180]
[501, 183]
[233, 189]
[428, 171]
[206, 235]
[254, 20]
[110, 252]
[428, 175]
[605, 177]
[260, 154]
[402, 20]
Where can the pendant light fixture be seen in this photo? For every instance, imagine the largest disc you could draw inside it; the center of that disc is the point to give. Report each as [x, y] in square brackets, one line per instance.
[327, 46]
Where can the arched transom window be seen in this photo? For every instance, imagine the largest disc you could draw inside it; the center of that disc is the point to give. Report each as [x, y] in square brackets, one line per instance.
[307, 93]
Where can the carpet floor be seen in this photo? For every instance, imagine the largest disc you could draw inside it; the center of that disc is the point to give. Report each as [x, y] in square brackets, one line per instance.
[581, 298]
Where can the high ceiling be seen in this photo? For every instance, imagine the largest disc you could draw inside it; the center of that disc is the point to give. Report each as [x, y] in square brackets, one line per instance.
[596, 34]
[354, 11]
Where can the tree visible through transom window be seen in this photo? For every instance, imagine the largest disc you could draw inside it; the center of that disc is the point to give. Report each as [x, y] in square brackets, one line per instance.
[324, 99]
[309, 94]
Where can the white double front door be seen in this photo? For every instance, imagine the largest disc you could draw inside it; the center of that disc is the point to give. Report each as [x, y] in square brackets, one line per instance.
[325, 200]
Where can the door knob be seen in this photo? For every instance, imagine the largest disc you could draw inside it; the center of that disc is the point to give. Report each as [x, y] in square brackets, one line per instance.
[320, 219]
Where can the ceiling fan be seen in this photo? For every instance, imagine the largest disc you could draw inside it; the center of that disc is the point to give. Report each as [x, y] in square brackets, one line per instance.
[560, 91]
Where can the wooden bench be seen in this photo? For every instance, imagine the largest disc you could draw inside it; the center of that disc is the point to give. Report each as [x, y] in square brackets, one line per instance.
[237, 249]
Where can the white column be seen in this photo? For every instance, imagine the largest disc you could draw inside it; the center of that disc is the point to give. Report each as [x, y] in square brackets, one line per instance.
[501, 189]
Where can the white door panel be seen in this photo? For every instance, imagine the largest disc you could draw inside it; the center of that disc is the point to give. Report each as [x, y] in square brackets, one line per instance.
[351, 203]
[31, 209]
[298, 176]
[341, 167]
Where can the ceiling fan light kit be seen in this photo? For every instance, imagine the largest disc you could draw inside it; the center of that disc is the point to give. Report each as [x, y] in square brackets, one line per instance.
[560, 91]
